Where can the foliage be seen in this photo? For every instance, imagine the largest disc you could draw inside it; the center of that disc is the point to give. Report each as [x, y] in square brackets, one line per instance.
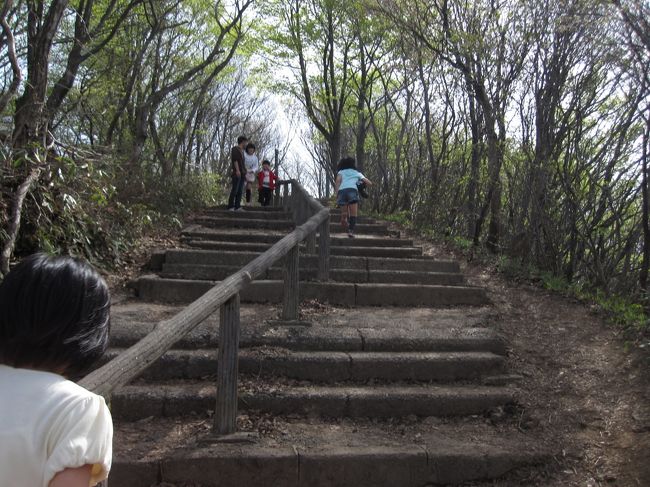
[77, 209]
[625, 313]
[400, 217]
[177, 195]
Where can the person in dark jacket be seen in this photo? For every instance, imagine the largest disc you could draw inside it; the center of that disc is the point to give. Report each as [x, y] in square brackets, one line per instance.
[238, 173]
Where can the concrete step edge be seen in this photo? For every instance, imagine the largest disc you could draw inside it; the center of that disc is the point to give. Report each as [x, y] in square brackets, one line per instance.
[157, 289]
[197, 231]
[227, 465]
[328, 367]
[162, 400]
[178, 253]
[308, 273]
[345, 340]
[388, 252]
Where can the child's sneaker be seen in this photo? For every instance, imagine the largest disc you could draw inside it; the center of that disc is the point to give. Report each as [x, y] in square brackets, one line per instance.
[350, 234]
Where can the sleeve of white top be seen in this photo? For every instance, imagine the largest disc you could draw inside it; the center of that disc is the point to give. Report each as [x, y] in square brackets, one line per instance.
[86, 439]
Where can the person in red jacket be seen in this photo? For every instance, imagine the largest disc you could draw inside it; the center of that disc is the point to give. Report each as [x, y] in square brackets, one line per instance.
[266, 179]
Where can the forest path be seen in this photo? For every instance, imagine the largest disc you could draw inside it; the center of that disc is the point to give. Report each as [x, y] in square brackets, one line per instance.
[581, 389]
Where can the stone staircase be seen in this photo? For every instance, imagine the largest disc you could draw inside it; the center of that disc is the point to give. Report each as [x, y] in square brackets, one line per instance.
[396, 381]
[375, 269]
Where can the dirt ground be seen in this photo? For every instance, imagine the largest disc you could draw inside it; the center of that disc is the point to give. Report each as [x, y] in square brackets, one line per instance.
[581, 389]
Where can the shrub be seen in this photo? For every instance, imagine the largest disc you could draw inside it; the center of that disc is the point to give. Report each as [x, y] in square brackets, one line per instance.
[76, 208]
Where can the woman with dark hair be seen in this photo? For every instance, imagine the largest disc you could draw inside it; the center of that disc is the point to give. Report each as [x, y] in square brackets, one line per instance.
[252, 163]
[347, 194]
[54, 324]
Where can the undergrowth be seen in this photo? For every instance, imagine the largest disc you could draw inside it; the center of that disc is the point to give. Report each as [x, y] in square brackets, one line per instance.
[90, 209]
[628, 315]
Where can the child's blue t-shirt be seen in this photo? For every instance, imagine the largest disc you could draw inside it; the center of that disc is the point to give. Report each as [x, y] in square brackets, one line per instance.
[350, 178]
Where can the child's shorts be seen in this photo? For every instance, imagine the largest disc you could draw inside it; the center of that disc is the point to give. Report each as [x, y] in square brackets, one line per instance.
[347, 196]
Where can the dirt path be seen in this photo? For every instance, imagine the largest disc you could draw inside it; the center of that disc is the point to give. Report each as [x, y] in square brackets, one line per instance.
[580, 390]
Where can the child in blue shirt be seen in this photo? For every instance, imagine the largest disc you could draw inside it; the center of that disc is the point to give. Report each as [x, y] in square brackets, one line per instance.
[347, 194]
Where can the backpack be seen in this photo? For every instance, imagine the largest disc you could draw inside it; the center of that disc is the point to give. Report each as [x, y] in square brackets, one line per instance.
[363, 189]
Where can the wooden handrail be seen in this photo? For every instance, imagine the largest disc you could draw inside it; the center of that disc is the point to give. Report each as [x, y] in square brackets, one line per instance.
[133, 361]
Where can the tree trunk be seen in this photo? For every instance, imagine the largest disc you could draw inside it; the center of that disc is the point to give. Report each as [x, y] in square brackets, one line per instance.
[645, 264]
[31, 118]
[14, 221]
[495, 158]
[8, 95]
[472, 184]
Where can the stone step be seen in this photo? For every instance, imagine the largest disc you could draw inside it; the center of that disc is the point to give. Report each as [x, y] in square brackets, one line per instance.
[362, 228]
[182, 451]
[157, 289]
[198, 232]
[348, 330]
[257, 248]
[344, 339]
[336, 217]
[135, 402]
[217, 273]
[329, 367]
[393, 252]
[249, 214]
[390, 252]
[218, 222]
[266, 209]
[211, 257]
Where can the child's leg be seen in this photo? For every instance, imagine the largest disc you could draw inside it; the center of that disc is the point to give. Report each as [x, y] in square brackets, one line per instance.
[344, 217]
[249, 192]
[353, 216]
[266, 196]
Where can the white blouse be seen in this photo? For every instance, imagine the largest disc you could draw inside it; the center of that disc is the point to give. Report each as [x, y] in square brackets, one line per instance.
[251, 162]
[48, 424]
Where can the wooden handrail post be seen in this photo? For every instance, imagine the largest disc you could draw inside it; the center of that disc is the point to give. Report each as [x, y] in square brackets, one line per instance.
[324, 251]
[294, 207]
[305, 209]
[285, 197]
[291, 292]
[225, 414]
[276, 195]
[311, 243]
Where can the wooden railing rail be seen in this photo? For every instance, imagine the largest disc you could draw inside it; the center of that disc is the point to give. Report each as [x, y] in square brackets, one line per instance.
[225, 296]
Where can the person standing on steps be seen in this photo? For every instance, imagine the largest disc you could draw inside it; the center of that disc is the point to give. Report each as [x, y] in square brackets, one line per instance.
[347, 194]
[54, 325]
[266, 183]
[252, 164]
[238, 173]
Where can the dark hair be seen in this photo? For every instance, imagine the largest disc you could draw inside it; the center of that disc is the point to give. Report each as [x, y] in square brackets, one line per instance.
[347, 163]
[54, 315]
[266, 161]
[250, 145]
[242, 138]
